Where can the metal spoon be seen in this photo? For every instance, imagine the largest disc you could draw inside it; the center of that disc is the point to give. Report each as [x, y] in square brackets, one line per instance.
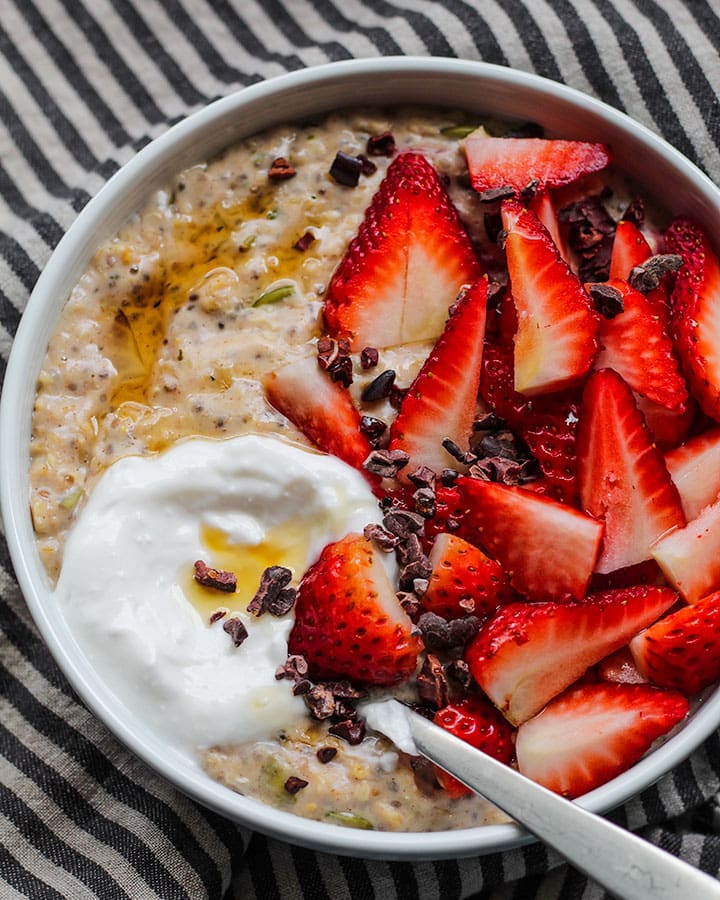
[624, 864]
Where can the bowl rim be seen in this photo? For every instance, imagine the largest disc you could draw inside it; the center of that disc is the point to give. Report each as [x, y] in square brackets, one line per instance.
[14, 438]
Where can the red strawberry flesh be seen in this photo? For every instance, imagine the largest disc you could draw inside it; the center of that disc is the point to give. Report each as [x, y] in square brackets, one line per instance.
[405, 266]
[529, 652]
[593, 732]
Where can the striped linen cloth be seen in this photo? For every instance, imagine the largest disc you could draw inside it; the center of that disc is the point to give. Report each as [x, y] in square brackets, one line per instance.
[83, 85]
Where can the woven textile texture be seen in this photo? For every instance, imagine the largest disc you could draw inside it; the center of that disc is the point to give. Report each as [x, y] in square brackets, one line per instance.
[83, 85]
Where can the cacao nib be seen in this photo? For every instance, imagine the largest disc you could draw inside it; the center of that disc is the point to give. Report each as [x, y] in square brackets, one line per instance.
[304, 686]
[381, 537]
[396, 397]
[647, 276]
[295, 784]
[607, 299]
[294, 668]
[372, 428]
[346, 169]
[424, 502]
[448, 477]
[591, 235]
[454, 451]
[367, 166]
[344, 690]
[459, 671]
[281, 170]
[302, 243]
[499, 193]
[386, 463]
[218, 614]
[530, 189]
[379, 387]
[326, 754]
[217, 579]
[410, 603]
[439, 634]
[236, 629]
[352, 732]
[432, 682]
[418, 569]
[403, 523]
[320, 701]
[273, 584]
[334, 358]
[369, 357]
[381, 144]
[422, 477]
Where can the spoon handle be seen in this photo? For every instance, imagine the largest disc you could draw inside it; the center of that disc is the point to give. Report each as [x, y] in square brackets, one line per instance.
[621, 862]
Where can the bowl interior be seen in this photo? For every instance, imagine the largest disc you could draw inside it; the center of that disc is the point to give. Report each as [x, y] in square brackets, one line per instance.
[476, 87]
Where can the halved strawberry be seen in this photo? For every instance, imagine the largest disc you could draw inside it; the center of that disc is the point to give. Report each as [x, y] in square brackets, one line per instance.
[593, 732]
[530, 652]
[547, 424]
[682, 650]
[695, 303]
[622, 475]
[518, 162]
[479, 724]
[320, 408]
[619, 667]
[404, 268]
[464, 581]
[556, 338]
[636, 345]
[695, 469]
[442, 400]
[546, 548]
[690, 557]
[348, 621]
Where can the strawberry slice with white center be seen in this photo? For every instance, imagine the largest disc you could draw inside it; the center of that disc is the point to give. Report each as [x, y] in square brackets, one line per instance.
[557, 328]
[546, 548]
[321, 408]
[622, 474]
[442, 400]
[544, 208]
[464, 582]
[682, 650]
[406, 265]
[593, 732]
[348, 620]
[695, 469]
[690, 557]
[529, 652]
[695, 303]
[520, 162]
[668, 427]
[636, 345]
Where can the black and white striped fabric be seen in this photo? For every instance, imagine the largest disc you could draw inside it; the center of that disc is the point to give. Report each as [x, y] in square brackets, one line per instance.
[83, 85]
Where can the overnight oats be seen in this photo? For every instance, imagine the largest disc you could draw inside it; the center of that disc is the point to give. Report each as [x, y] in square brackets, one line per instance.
[391, 404]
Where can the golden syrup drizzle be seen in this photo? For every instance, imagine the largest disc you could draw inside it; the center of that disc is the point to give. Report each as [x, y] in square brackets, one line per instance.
[285, 545]
[198, 245]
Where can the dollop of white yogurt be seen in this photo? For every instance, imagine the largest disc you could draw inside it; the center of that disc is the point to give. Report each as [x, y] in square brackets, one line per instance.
[122, 584]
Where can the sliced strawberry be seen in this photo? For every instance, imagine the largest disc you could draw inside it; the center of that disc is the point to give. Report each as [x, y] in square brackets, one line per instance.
[449, 515]
[530, 652]
[464, 581]
[690, 557]
[556, 338]
[406, 265]
[320, 408]
[695, 303]
[479, 724]
[546, 548]
[442, 400]
[619, 667]
[695, 469]
[668, 427]
[636, 345]
[520, 162]
[593, 732]
[547, 424]
[348, 621]
[682, 650]
[622, 475]
[630, 249]
[544, 208]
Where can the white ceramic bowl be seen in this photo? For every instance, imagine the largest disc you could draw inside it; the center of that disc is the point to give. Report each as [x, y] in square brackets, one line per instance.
[493, 90]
